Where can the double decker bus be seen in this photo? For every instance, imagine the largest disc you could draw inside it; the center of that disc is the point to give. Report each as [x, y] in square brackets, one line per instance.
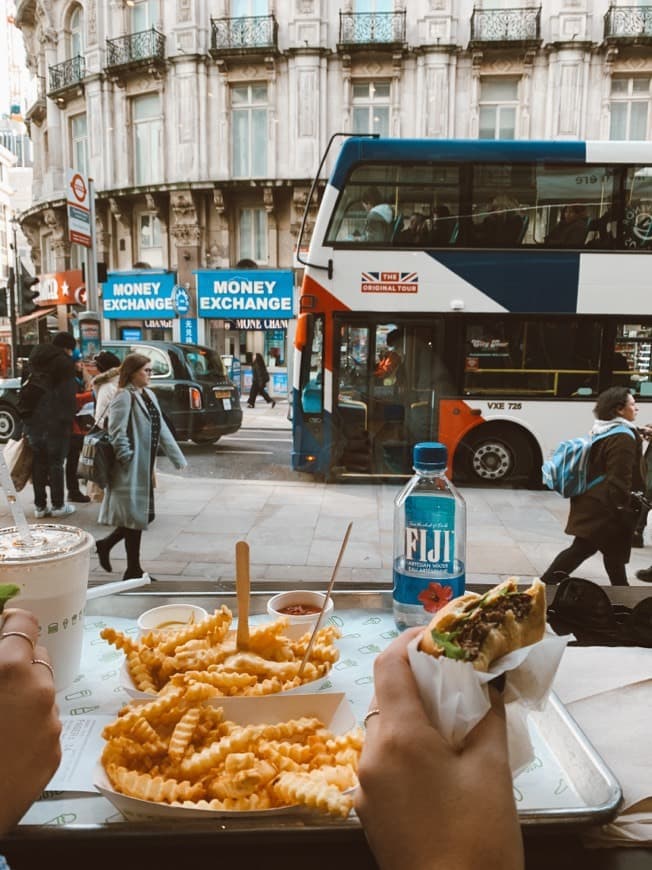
[478, 293]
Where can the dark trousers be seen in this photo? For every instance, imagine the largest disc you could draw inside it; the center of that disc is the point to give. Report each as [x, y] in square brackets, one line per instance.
[49, 454]
[76, 444]
[579, 551]
[131, 538]
[258, 390]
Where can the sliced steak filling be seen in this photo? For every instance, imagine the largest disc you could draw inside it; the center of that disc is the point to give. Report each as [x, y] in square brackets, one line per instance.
[475, 629]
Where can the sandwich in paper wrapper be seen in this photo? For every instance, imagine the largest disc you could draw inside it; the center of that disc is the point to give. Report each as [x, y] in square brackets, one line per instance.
[476, 638]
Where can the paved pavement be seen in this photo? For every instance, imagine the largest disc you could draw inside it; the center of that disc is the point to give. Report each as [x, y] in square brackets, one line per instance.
[295, 528]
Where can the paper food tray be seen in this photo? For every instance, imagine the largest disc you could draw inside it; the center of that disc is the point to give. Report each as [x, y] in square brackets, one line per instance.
[331, 708]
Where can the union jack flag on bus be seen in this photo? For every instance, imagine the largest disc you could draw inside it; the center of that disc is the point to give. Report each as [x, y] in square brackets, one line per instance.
[389, 282]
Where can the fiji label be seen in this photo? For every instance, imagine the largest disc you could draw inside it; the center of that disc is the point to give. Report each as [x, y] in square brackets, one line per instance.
[429, 534]
[428, 574]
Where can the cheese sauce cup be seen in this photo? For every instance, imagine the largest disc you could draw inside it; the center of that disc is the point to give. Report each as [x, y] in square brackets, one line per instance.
[170, 617]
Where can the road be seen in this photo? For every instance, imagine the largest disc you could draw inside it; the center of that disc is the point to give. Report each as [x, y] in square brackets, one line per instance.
[259, 454]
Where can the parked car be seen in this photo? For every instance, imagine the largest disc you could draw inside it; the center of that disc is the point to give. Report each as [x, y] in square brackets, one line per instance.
[192, 387]
[9, 419]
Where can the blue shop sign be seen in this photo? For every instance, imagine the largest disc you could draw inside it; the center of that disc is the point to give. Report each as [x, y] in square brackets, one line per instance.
[233, 293]
[188, 330]
[130, 295]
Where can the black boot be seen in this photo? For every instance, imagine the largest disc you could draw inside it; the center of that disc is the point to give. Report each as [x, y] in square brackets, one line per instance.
[645, 574]
[103, 552]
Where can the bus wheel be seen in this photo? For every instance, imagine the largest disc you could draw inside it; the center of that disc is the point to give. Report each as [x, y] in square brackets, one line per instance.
[495, 454]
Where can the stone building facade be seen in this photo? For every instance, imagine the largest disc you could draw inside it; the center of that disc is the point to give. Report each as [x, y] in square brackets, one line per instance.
[203, 124]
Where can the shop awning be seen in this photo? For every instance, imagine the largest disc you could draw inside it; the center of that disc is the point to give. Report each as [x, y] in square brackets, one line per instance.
[42, 312]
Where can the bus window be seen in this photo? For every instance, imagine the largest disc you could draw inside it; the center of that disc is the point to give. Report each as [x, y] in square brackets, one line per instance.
[504, 199]
[574, 206]
[531, 357]
[312, 368]
[379, 203]
[631, 360]
[637, 224]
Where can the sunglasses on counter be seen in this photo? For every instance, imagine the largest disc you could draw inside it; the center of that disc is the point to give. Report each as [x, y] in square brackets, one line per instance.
[583, 608]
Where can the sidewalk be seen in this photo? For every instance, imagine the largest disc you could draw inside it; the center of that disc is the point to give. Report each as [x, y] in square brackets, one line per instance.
[294, 530]
[263, 416]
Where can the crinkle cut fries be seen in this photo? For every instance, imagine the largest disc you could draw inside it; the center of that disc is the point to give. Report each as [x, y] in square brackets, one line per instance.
[179, 750]
[205, 652]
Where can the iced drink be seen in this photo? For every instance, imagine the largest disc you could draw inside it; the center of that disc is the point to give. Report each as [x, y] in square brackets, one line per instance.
[52, 574]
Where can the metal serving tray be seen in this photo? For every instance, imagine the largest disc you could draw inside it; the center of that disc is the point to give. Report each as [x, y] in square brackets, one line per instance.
[567, 786]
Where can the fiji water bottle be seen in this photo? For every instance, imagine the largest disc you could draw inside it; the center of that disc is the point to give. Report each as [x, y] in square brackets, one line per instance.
[429, 539]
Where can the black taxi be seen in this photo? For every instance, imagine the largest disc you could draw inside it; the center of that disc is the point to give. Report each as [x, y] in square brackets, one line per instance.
[192, 387]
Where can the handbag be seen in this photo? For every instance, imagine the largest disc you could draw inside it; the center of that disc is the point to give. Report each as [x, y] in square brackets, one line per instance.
[97, 458]
[18, 457]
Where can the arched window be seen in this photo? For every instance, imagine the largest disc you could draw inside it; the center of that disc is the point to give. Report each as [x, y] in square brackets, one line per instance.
[77, 32]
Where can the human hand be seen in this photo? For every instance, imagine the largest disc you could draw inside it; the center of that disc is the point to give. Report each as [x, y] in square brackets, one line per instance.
[29, 719]
[424, 805]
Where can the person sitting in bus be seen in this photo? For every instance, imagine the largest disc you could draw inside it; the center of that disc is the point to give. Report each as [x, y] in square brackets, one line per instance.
[390, 360]
[571, 230]
[380, 216]
[440, 227]
[414, 234]
[503, 226]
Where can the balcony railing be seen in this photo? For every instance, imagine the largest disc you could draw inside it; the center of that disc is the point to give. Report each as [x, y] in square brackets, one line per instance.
[135, 49]
[628, 22]
[248, 34]
[372, 28]
[506, 26]
[67, 74]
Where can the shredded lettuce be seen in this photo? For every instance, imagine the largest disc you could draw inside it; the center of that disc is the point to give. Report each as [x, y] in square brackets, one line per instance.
[446, 640]
[7, 591]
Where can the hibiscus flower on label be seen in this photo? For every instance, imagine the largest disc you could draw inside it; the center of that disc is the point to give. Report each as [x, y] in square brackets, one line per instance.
[435, 596]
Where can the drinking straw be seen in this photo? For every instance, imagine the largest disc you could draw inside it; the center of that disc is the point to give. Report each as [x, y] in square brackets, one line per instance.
[328, 595]
[17, 512]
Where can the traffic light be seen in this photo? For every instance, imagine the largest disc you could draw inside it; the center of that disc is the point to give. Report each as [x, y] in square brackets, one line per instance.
[27, 294]
[4, 309]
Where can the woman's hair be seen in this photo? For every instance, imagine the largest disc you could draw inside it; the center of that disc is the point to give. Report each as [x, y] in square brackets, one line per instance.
[130, 365]
[610, 402]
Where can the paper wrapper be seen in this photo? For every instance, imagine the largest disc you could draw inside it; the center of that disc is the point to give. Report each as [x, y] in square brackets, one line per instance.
[456, 696]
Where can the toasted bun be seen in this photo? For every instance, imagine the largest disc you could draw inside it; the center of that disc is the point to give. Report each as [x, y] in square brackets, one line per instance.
[511, 634]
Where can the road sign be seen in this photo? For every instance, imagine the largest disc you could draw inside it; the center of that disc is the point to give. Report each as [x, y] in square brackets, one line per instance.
[78, 202]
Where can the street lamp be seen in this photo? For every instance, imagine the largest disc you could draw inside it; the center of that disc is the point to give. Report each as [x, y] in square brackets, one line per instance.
[13, 292]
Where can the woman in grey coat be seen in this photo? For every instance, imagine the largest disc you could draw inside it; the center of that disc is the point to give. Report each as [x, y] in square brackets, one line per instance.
[136, 429]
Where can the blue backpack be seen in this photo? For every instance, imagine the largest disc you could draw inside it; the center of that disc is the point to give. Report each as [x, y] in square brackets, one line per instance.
[567, 469]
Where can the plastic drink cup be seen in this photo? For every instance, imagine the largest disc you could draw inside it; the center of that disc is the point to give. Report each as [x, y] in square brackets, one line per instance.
[52, 574]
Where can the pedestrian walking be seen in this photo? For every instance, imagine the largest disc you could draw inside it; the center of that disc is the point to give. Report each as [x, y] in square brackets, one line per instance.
[82, 397]
[47, 406]
[601, 518]
[136, 429]
[259, 381]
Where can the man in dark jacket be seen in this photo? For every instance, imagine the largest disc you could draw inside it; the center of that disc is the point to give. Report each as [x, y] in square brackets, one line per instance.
[48, 421]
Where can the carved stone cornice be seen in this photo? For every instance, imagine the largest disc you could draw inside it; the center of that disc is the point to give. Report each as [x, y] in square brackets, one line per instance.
[186, 235]
[185, 230]
[218, 200]
[120, 210]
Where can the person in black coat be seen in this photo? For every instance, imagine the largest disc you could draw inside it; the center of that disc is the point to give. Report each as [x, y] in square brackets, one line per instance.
[259, 381]
[48, 424]
[601, 519]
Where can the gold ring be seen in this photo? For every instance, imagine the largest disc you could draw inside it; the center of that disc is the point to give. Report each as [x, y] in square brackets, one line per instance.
[18, 634]
[373, 712]
[43, 662]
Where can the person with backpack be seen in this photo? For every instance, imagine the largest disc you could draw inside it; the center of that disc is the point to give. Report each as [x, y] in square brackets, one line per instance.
[601, 518]
[47, 406]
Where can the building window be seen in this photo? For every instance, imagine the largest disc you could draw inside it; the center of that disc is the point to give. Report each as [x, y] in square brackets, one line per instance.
[150, 250]
[246, 8]
[79, 143]
[76, 32]
[77, 256]
[47, 254]
[629, 108]
[143, 15]
[252, 235]
[147, 139]
[249, 113]
[498, 107]
[371, 107]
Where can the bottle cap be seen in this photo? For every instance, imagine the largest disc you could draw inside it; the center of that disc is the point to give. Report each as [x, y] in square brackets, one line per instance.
[430, 456]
